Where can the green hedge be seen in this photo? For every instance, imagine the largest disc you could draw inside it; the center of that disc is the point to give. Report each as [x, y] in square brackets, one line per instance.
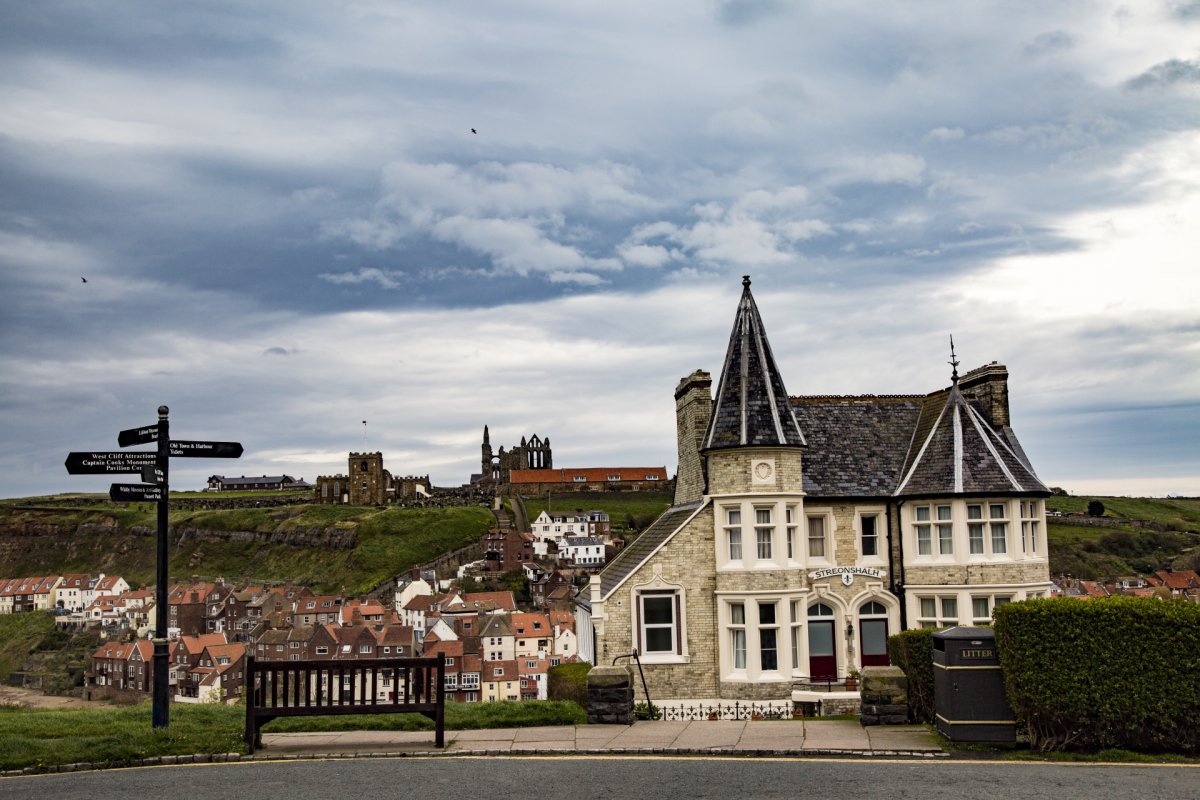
[568, 682]
[1117, 672]
[912, 651]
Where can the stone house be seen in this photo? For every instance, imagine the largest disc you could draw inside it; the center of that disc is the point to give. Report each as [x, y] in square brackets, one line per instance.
[121, 669]
[805, 530]
[529, 482]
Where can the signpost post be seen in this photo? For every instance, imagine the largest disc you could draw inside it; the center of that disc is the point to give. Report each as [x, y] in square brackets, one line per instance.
[153, 466]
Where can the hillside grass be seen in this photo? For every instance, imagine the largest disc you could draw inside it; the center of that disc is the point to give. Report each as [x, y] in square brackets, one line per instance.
[21, 634]
[115, 736]
[1182, 513]
[120, 539]
[1109, 551]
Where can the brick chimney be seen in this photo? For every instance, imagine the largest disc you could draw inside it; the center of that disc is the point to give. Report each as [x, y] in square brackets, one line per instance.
[987, 389]
[693, 407]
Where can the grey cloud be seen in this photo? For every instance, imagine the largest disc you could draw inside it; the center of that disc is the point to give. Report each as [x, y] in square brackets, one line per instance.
[743, 12]
[1167, 73]
[1049, 42]
[383, 279]
[232, 176]
[1187, 10]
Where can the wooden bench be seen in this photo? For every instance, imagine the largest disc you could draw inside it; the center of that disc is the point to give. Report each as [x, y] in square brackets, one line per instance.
[319, 688]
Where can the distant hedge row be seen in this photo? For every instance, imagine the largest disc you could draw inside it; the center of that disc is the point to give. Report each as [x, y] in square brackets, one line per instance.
[1113, 672]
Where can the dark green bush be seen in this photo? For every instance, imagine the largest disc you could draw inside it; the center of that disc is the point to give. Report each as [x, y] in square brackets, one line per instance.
[912, 651]
[1117, 672]
[568, 682]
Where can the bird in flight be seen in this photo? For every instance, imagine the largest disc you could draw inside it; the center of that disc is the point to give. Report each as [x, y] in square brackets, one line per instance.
[474, 131]
[83, 279]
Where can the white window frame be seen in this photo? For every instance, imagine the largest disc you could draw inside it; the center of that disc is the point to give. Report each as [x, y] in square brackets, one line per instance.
[863, 537]
[999, 525]
[934, 610]
[933, 530]
[764, 533]
[678, 653]
[732, 534]
[1031, 528]
[789, 516]
[738, 652]
[745, 637]
[824, 538]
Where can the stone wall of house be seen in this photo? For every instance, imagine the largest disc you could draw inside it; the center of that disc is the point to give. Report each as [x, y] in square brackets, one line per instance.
[741, 471]
[1015, 572]
[689, 561]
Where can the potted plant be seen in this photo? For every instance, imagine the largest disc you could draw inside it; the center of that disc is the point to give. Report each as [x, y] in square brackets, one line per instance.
[852, 680]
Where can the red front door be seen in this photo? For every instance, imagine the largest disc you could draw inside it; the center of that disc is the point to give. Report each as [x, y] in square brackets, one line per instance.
[873, 641]
[822, 658]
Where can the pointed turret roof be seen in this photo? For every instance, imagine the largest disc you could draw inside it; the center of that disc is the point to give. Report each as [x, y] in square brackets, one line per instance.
[751, 408]
[959, 452]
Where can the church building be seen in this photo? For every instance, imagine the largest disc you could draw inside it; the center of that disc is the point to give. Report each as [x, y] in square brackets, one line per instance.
[806, 530]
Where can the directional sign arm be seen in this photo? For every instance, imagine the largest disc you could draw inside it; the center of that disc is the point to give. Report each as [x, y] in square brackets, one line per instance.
[134, 493]
[185, 449]
[134, 436]
[108, 463]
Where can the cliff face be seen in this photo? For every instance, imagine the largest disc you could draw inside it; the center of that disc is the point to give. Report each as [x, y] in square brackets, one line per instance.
[58, 544]
[328, 548]
[341, 538]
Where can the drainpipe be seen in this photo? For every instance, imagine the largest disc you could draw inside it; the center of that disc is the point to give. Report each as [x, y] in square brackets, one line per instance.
[898, 590]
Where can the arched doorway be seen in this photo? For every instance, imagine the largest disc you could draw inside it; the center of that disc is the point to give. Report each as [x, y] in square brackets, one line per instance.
[873, 634]
[822, 648]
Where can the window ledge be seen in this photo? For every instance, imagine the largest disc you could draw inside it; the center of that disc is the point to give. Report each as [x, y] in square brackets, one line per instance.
[659, 659]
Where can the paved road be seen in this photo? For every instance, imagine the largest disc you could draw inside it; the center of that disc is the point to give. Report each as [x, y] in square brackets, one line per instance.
[612, 778]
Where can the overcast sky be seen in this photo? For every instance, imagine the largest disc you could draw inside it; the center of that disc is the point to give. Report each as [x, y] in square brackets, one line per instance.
[287, 225]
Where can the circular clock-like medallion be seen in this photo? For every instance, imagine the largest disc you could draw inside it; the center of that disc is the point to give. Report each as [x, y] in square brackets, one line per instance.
[763, 471]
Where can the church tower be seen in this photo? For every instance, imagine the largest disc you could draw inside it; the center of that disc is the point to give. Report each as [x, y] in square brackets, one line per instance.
[485, 464]
[368, 482]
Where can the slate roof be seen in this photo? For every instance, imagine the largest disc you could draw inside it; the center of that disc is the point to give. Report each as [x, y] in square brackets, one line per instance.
[907, 446]
[629, 559]
[751, 407]
[956, 451]
[856, 445]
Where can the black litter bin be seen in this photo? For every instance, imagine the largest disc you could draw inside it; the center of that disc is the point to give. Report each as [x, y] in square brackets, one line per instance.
[968, 687]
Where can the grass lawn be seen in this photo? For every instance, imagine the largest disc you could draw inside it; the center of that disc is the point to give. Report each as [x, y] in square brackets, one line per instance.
[114, 736]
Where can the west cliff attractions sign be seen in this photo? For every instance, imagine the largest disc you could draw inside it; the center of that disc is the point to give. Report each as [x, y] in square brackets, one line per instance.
[847, 573]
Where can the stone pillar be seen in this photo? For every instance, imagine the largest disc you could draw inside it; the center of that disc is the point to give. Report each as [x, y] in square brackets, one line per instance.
[884, 696]
[610, 696]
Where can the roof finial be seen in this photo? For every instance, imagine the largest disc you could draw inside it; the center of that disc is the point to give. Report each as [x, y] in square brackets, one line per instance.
[953, 362]
[746, 281]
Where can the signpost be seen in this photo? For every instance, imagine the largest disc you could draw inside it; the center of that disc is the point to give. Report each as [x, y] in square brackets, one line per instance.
[152, 466]
[134, 493]
[109, 463]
